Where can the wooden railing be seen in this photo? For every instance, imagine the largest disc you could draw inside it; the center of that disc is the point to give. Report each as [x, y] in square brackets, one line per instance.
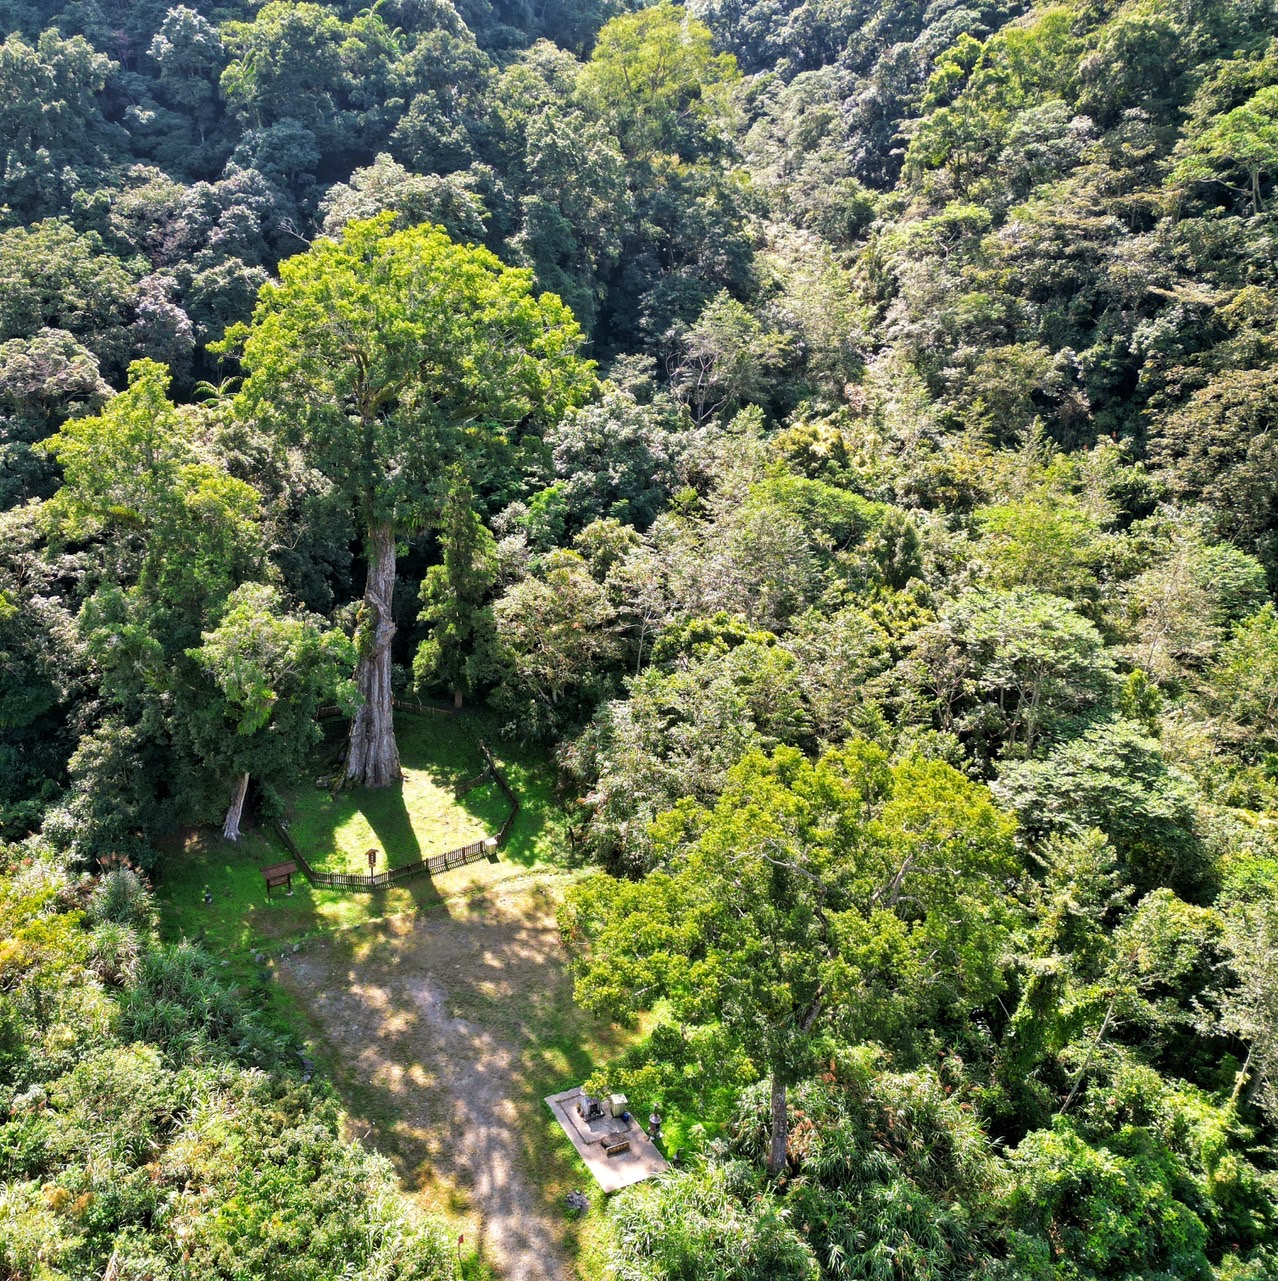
[423, 709]
[472, 853]
[332, 712]
[437, 863]
[509, 792]
[468, 785]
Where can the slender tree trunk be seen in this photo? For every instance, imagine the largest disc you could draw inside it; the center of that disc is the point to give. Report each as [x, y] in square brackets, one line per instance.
[1087, 1062]
[1243, 1073]
[372, 759]
[231, 828]
[780, 1127]
[457, 698]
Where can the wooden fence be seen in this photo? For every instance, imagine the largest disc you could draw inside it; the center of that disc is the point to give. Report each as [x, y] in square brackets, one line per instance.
[509, 792]
[472, 853]
[437, 863]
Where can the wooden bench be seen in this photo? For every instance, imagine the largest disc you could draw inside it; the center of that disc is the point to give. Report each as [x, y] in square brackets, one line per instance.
[616, 1149]
[279, 874]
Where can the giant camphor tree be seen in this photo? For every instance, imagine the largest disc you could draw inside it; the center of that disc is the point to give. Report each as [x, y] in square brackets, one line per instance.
[385, 356]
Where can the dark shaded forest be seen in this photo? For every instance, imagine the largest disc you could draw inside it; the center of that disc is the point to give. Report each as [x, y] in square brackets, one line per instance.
[840, 435]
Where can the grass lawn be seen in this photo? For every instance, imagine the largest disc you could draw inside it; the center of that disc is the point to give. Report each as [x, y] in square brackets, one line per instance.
[414, 820]
[240, 918]
[442, 993]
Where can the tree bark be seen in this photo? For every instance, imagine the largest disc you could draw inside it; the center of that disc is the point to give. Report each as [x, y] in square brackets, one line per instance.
[457, 698]
[372, 758]
[780, 1127]
[231, 828]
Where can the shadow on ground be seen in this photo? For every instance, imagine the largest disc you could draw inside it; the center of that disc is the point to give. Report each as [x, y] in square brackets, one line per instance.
[444, 1033]
[415, 819]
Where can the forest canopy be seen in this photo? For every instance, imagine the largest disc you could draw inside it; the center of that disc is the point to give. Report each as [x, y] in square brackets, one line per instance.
[836, 440]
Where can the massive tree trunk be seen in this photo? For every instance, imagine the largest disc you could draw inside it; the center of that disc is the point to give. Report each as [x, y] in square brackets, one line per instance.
[372, 759]
[231, 828]
[780, 1127]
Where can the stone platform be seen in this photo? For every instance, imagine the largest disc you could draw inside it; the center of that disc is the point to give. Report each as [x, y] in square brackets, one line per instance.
[589, 1138]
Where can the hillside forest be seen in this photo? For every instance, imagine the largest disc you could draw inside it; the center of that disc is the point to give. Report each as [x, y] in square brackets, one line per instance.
[841, 438]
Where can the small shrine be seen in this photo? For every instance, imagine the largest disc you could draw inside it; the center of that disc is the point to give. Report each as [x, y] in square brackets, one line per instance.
[614, 1146]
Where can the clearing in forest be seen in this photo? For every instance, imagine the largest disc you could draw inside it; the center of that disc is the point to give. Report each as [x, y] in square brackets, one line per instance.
[444, 1031]
[417, 818]
[241, 919]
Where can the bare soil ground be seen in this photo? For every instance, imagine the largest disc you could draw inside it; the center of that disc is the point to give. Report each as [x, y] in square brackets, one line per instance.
[444, 1030]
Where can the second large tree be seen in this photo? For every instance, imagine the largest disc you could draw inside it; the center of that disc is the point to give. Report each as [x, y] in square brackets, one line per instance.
[385, 356]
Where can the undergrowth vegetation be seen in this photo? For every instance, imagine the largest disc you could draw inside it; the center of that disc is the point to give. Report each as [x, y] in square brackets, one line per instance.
[153, 1125]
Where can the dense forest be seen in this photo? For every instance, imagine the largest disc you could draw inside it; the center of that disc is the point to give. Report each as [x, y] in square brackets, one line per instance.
[842, 437]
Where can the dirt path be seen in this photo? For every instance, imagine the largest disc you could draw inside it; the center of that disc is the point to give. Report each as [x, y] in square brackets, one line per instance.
[445, 1030]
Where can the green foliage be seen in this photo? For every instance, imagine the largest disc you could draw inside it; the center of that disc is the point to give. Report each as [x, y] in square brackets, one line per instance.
[556, 640]
[977, 91]
[290, 63]
[1215, 446]
[55, 277]
[183, 536]
[56, 137]
[1242, 682]
[458, 650]
[847, 898]
[1243, 142]
[386, 349]
[1046, 545]
[890, 1169]
[136, 1136]
[618, 457]
[655, 74]
[44, 380]
[414, 198]
[1114, 778]
[576, 190]
[1008, 667]
[1103, 1209]
[727, 689]
[122, 898]
[1181, 607]
[713, 1220]
[272, 670]
[1249, 1009]
[724, 358]
[937, 448]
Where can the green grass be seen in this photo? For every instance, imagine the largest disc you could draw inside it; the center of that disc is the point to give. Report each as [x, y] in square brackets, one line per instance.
[540, 833]
[241, 919]
[414, 820]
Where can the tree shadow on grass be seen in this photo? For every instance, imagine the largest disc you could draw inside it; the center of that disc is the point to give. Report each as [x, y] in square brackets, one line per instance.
[387, 814]
[409, 823]
[539, 833]
[447, 751]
